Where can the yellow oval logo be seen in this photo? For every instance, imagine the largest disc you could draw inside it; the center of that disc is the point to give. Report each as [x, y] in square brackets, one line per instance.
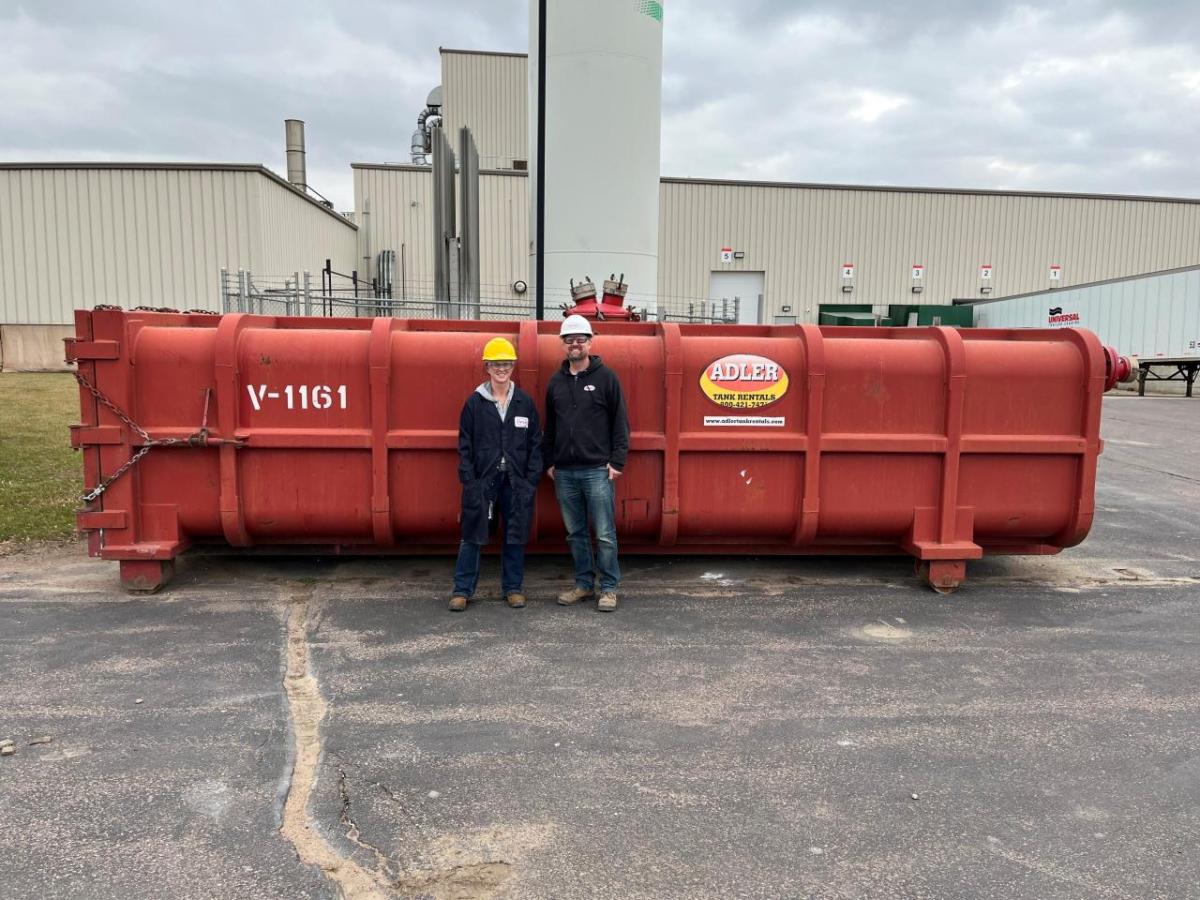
[744, 381]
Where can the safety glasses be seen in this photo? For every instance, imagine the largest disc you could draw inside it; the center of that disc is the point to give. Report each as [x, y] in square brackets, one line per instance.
[576, 339]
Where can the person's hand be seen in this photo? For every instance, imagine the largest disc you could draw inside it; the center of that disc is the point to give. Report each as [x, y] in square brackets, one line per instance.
[613, 474]
[550, 472]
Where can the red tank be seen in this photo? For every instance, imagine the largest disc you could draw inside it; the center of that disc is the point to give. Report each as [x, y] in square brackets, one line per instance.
[341, 434]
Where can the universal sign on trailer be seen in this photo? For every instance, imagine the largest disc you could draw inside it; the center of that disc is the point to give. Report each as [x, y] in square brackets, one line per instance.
[1056, 318]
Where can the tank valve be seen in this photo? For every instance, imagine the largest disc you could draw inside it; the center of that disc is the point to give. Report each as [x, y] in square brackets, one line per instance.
[1118, 368]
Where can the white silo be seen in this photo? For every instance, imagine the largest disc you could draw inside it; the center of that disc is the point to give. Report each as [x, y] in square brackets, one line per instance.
[603, 83]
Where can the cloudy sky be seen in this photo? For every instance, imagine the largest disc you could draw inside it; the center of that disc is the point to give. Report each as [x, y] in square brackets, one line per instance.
[1082, 96]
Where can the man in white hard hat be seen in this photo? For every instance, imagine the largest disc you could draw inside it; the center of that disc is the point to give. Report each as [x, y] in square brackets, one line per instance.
[586, 441]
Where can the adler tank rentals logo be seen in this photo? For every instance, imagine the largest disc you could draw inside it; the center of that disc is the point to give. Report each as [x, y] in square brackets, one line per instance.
[1056, 316]
[744, 381]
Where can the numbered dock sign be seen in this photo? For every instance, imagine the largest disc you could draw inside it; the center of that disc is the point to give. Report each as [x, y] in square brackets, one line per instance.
[1056, 273]
[726, 254]
[847, 270]
[985, 273]
[918, 272]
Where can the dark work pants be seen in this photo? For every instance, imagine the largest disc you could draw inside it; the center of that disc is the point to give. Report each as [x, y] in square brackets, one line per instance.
[512, 556]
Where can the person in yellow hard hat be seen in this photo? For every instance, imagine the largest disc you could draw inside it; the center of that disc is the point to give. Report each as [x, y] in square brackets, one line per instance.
[499, 465]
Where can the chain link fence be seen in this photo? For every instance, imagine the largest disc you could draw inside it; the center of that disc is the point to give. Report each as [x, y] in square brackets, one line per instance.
[330, 293]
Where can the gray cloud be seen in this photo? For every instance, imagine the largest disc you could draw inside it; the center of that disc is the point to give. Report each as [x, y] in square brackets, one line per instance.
[1089, 96]
[213, 82]
[1079, 96]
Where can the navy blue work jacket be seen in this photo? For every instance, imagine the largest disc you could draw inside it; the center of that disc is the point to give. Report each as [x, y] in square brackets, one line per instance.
[483, 440]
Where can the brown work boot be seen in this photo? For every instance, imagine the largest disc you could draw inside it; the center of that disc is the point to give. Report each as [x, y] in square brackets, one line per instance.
[573, 596]
[607, 602]
[458, 603]
[515, 599]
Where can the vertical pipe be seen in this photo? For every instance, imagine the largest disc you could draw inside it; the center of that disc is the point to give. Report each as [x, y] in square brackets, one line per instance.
[540, 267]
[293, 133]
[441, 228]
[403, 277]
[468, 258]
[294, 300]
[224, 305]
[307, 293]
[366, 235]
[327, 288]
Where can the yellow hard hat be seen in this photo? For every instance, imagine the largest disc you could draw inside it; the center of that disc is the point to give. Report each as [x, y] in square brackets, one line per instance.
[499, 350]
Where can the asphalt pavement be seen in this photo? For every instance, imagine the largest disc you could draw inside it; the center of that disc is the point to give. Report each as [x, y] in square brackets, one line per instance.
[298, 727]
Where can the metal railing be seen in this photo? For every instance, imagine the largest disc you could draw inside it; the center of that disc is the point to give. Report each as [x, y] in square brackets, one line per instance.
[331, 293]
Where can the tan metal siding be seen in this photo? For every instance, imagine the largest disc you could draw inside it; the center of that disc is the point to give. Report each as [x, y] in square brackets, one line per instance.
[72, 237]
[503, 250]
[292, 235]
[398, 200]
[394, 212]
[489, 94]
[801, 235]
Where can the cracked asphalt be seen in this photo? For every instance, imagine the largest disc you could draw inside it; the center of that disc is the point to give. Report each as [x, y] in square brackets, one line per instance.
[740, 727]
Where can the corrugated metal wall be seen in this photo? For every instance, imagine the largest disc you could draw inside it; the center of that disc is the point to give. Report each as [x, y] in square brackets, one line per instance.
[1158, 315]
[490, 93]
[72, 236]
[294, 234]
[398, 200]
[800, 236]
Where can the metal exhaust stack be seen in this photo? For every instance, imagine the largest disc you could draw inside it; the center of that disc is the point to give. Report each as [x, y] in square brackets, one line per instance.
[293, 131]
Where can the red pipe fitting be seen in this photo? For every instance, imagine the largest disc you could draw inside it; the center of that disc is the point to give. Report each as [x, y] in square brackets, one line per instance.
[1118, 368]
[611, 305]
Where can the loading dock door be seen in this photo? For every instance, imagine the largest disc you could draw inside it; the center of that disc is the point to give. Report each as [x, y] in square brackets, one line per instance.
[747, 287]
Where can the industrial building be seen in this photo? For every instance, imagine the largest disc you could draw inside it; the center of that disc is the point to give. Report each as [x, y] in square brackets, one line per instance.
[74, 235]
[784, 249]
[803, 246]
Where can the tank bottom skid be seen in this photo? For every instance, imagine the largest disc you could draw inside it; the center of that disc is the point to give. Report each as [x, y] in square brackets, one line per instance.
[148, 575]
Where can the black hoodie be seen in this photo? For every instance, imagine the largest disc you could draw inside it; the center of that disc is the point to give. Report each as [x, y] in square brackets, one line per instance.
[586, 423]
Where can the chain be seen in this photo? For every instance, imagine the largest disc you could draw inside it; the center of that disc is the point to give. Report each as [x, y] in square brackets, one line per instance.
[117, 411]
[198, 439]
[121, 470]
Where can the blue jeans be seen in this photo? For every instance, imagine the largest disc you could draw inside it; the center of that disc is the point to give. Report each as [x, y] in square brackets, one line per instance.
[585, 494]
[512, 556]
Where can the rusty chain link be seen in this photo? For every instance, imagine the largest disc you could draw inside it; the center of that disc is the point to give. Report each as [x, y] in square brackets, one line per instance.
[121, 470]
[198, 438]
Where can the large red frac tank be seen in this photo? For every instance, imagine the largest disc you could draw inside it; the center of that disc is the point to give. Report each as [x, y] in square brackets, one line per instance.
[260, 431]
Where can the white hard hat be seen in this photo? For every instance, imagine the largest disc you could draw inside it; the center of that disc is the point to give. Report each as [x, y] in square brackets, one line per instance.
[575, 324]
